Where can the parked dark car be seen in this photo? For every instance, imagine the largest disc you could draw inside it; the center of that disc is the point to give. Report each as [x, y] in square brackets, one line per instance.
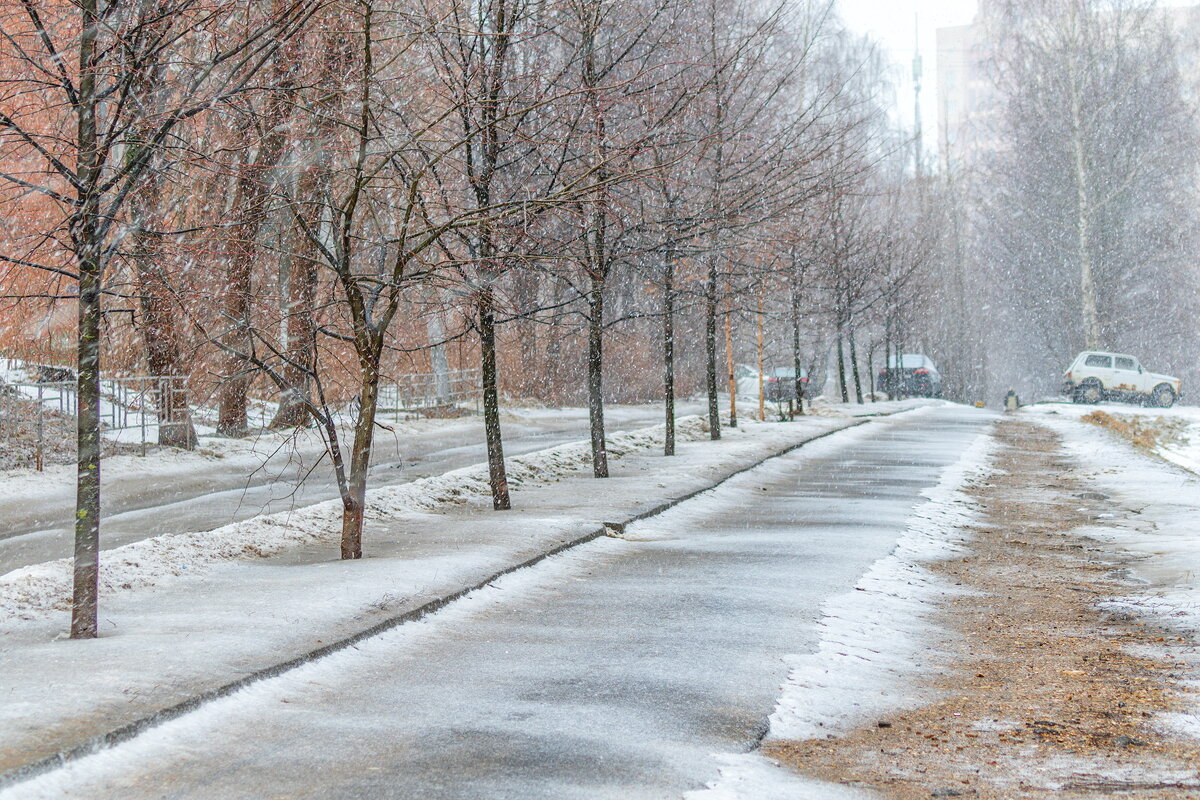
[916, 376]
[779, 384]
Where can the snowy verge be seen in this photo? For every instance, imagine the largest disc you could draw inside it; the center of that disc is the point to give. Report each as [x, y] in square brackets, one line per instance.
[1159, 500]
[874, 643]
[874, 639]
[34, 591]
[1174, 432]
[750, 776]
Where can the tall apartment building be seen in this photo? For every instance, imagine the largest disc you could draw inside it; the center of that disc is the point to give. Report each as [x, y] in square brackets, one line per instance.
[970, 108]
[967, 101]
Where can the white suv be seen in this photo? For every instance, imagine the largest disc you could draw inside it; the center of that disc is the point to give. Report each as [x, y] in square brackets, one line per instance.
[1095, 376]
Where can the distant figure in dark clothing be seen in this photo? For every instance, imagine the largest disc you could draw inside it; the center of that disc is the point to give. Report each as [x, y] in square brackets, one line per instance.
[1011, 401]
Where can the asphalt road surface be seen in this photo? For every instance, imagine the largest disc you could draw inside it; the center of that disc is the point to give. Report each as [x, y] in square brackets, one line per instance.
[614, 671]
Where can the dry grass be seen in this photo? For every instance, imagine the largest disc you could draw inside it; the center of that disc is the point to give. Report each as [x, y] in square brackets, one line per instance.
[1047, 696]
[1143, 432]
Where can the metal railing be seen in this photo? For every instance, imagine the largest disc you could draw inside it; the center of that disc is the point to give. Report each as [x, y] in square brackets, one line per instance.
[141, 404]
[424, 391]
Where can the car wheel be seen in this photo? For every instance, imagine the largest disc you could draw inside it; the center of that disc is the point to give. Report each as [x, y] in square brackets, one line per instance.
[1090, 393]
[1163, 396]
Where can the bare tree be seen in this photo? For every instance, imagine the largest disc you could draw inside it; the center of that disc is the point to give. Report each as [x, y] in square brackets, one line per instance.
[94, 141]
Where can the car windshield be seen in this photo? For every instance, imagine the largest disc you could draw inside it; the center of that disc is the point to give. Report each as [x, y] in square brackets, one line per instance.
[783, 372]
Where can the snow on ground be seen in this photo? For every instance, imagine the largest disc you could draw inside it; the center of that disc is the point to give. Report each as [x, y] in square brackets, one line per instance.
[164, 643]
[34, 591]
[874, 645]
[750, 776]
[1158, 500]
[1178, 427]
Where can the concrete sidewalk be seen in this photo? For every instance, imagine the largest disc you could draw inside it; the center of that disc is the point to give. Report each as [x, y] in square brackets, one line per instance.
[164, 646]
[778, 533]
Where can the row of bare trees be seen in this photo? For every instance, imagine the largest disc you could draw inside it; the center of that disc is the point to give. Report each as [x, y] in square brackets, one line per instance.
[287, 199]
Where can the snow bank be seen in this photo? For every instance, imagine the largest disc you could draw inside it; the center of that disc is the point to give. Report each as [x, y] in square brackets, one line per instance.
[31, 592]
[874, 638]
[750, 776]
[1181, 424]
[873, 642]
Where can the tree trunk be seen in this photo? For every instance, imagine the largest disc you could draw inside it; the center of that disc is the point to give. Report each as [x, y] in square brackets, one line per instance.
[1083, 221]
[841, 359]
[871, 372]
[251, 197]
[249, 204]
[88, 249]
[159, 333]
[710, 349]
[669, 356]
[87, 502]
[762, 409]
[595, 377]
[858, 395]
[300, 346]
[796, 364]
[731, 377]
[497, 474]
[1087, 283]
[312, 188]
[439, 361]
[887, 366]
[354, 498]
[526, 296]
[551, 385]
[165, 362]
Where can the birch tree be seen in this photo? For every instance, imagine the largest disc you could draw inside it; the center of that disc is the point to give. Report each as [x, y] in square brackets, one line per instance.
[1086, 192]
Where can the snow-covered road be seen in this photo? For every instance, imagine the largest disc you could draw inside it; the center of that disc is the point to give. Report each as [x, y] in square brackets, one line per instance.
[615, 670]
[139, 504]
